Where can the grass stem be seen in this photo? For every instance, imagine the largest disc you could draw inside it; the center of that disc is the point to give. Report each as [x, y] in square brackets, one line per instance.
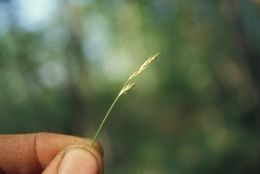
[105, 118]
[126, 87]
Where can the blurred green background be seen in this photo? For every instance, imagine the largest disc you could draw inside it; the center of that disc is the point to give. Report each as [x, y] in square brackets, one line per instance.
[196, 110]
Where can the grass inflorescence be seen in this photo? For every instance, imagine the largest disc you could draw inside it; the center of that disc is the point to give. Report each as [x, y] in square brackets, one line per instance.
[128, 85]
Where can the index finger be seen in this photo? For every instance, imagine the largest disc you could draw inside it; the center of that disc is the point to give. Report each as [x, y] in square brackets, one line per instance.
[31, 153]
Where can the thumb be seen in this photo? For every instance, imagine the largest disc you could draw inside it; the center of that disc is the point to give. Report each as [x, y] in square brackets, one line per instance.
[75, 159]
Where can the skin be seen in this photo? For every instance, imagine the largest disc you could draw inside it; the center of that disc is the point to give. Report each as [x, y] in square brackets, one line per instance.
[41, 152]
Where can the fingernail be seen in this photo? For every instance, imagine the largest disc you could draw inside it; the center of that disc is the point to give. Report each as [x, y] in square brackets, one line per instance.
[78, 161]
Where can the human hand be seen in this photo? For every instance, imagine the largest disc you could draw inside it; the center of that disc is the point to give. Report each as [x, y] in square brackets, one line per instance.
[49, 154]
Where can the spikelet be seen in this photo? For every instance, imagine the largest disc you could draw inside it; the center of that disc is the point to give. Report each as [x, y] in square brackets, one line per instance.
[127, 88]
[143, 66]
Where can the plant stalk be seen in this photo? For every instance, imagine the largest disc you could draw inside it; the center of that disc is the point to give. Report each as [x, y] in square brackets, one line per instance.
[104, 119]
[126, 87]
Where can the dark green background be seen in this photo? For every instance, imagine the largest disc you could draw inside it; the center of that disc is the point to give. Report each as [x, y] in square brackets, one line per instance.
[196, 110]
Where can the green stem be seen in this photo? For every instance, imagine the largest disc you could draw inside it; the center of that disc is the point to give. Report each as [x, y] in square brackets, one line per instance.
[104, 119]
[126, 87]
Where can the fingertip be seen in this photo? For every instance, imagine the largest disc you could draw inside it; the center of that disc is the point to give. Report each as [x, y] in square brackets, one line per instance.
[79, 160]
[49, 144]
[76, 159]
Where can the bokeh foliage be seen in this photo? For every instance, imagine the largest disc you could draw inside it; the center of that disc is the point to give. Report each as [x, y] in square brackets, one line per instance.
[195, 111]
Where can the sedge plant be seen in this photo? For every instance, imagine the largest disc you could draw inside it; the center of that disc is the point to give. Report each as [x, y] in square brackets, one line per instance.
[128, 85]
